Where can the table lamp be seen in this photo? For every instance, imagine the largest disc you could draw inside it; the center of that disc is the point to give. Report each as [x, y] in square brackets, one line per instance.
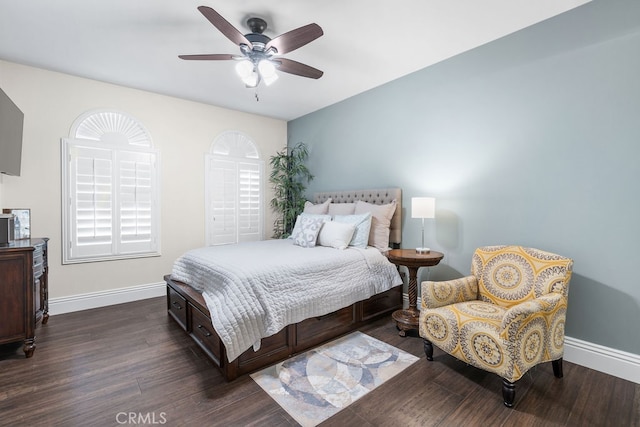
[423, 207]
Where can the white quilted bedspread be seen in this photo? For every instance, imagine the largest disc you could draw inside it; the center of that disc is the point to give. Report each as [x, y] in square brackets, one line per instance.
[255, 289]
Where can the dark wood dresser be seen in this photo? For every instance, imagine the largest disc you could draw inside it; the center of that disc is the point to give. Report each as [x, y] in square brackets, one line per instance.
[23, 291]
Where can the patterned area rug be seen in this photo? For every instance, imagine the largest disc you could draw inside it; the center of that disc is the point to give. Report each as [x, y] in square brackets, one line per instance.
[315, 385]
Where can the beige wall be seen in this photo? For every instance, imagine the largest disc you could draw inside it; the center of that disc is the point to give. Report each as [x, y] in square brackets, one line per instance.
[181, 130]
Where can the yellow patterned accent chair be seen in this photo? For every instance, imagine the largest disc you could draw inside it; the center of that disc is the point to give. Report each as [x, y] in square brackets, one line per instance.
[505, 318]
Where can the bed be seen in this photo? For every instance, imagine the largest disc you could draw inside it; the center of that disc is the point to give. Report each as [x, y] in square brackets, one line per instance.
[225, 300]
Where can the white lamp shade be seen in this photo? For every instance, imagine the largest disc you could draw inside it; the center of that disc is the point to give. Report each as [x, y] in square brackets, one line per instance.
[266, 68]
[268, 80]
[251, 80]
[268, 71]
[244, 68]
[423, 207]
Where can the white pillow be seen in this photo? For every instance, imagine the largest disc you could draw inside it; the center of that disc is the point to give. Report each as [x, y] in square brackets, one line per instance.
[336, 234]
[320, 208]
[341, 208]
[298, 224]
[362, 222]
[307, 234]
[380, 222]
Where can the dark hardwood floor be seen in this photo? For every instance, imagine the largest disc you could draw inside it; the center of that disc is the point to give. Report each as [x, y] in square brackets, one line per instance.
[99, 367]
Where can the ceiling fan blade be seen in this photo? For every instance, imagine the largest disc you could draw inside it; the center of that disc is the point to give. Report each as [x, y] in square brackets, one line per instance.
[209, 57]
[224, 26]
[298, 68]
[294, 39]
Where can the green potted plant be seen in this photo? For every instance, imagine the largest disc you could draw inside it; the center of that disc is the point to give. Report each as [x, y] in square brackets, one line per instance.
[289, 176]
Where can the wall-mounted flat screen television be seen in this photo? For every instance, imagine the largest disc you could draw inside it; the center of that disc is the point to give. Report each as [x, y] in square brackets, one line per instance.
[11, 126]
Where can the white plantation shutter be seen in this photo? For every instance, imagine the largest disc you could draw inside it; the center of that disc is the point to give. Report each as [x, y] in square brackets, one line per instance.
[222, 215]
[136, 201]
[92, 195]
[249, 201]
[110, 190]
[234, 181]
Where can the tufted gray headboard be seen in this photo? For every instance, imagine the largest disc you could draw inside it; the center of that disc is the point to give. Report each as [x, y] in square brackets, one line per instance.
[378, 196]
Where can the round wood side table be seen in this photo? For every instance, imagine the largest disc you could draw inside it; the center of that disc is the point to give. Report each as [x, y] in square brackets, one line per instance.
[407, 320]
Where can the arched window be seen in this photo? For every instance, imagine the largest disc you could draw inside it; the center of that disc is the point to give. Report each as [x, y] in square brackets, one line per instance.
[110, 194]
[234, 185]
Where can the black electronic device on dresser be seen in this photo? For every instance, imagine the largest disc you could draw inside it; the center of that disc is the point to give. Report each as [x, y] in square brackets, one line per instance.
[23, 291]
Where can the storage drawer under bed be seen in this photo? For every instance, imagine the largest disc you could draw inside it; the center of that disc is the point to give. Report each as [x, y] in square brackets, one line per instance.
[315, 330]
[177, 307]
[203, 333]
[382, 303]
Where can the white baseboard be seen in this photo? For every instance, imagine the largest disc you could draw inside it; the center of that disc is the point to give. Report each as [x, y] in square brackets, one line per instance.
[87, 301]
[593, 356]
[604, 359]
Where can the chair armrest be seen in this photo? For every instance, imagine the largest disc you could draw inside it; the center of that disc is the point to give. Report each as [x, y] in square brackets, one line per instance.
[438, 294]
[547, 307]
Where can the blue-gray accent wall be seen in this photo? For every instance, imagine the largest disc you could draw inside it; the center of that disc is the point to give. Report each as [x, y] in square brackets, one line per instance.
[533, 139]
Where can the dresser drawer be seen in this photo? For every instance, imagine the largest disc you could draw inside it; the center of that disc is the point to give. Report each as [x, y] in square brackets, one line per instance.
[38, 260]
[202, 331]
[177, 307]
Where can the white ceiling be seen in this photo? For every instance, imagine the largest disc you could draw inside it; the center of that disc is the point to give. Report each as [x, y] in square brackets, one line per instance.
[366, 43]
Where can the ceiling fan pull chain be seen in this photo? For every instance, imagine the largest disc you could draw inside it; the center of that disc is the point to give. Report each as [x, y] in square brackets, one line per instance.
[257, 97]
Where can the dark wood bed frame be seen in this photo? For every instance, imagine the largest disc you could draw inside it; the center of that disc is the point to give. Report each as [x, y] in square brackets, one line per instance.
[187, 307]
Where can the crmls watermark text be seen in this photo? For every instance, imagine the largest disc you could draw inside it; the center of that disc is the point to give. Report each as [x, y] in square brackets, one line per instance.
[140, 418]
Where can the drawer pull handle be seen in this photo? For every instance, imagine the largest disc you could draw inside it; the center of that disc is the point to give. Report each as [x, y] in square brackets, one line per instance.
[176, 305]
[206, 333]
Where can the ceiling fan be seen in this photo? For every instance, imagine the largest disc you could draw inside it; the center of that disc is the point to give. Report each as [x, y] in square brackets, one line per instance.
[259, 55]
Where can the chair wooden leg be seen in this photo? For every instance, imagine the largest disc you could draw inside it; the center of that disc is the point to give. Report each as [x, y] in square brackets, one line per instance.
[508, 393]
[428, 349]
[557, 367]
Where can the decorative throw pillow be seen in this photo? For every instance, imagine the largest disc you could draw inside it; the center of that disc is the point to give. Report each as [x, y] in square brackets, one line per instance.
[336, 234]
[307, 234]
[320, 208]
[341, 208]
[362, 222]
[297, 225]
[380, 222]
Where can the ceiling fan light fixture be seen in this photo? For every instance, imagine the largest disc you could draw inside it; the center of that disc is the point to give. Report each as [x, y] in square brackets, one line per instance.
[257, 60]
